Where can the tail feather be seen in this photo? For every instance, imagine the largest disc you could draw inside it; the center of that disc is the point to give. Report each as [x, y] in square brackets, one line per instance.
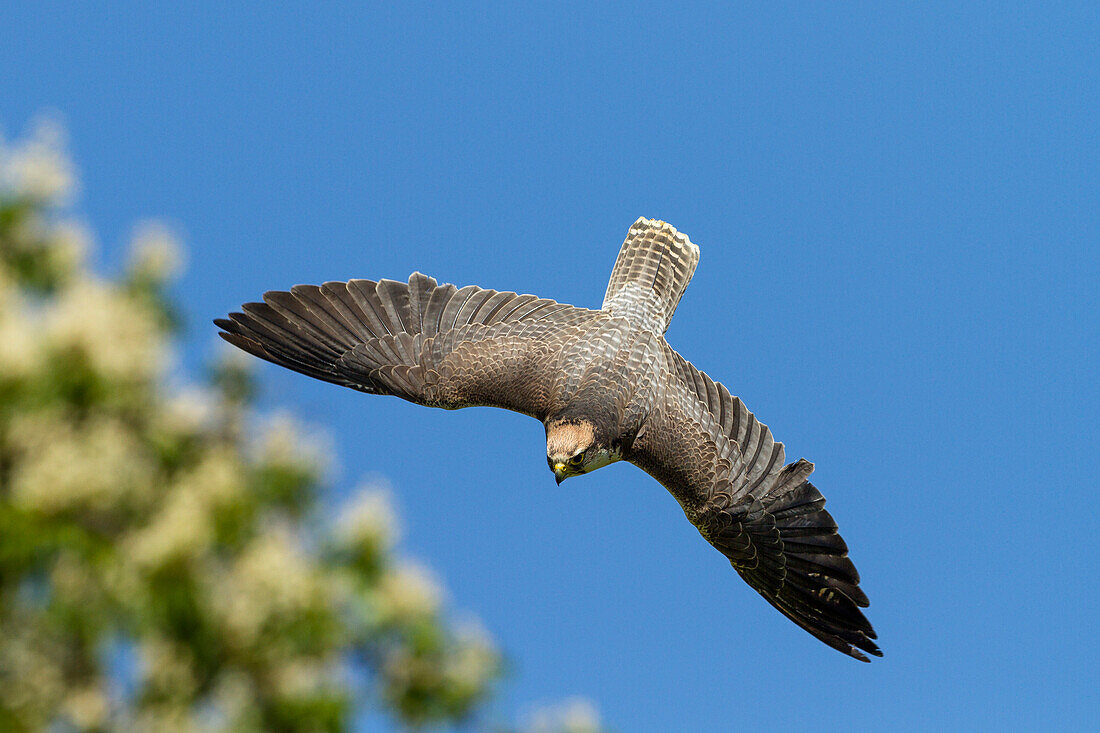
[652, 271]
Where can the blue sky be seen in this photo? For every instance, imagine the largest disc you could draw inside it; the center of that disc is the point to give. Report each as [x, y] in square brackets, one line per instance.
[899, 222]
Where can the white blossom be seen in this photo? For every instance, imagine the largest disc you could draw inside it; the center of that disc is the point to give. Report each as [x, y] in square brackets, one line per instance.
[574, 715]
[368, 519]
[33, 681]
[155, 252]
[272, 580]
[302, 677]
[69, 245]
[408, 591]
[87, 707]
[476, 660]
[119, 337]
[40, 167]
[73, 579]
[99, 467]
[182, 528]
[286, 441]
[171, 717]
[20, 343]
[168, 666]
[188, 410]
[184, 525]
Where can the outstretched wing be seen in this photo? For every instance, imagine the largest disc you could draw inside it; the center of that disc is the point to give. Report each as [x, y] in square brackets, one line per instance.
[727, 472]
[432, 344]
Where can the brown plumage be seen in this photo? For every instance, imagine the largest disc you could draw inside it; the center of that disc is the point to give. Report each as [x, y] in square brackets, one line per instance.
[606, 385]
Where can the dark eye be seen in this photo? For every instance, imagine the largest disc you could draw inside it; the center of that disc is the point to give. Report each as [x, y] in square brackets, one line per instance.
[577, 459]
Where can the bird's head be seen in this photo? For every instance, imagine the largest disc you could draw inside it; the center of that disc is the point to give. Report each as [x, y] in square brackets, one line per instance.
[572, 449]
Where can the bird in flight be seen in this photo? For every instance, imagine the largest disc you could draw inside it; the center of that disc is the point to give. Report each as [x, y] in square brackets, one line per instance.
[607, 387]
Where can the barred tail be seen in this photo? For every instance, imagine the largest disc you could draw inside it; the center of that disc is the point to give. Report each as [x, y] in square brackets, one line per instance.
[653, 269]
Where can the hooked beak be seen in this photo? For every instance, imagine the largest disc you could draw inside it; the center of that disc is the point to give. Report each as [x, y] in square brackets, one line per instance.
[559, 472]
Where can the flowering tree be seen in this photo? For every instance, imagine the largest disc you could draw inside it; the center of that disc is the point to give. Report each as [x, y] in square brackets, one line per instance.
[160, 569]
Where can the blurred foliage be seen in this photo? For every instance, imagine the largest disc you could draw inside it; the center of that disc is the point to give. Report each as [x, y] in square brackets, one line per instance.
[161, 567]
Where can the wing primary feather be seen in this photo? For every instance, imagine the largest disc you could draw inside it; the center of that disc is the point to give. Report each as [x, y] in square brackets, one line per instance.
[325, 314]
[433, 312]
[489, 308]
[455, 305]
[394, 297]
[350, 312]
[471, 307]
[420, 287]
[365, 293]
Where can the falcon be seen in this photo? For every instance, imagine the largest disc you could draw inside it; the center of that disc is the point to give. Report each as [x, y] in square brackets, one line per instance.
[606, 386]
